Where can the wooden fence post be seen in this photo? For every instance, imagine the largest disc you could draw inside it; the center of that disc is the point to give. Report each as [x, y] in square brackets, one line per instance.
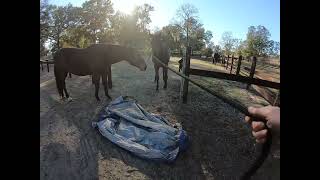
[253, 68]
[232, 58]
[185, 71]
[238, 66]
[227, 62]
[48, 65]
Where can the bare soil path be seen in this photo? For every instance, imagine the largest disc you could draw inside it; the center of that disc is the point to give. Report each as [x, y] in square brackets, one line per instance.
[222, 146]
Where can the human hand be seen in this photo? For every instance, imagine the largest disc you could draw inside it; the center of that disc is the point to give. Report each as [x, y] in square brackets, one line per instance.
[271, 114]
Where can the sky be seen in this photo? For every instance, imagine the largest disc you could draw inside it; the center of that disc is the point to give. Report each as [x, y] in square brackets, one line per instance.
[217, 16]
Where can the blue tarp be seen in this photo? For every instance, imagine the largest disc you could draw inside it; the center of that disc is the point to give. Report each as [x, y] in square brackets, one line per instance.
[125, 123]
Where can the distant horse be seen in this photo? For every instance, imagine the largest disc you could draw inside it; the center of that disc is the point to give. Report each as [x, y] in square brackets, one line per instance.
[95, 60]
[161, 50]
[216, 58]
[180, 64]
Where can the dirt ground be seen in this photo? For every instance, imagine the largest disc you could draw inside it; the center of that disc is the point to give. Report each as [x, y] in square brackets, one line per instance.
[221, 146]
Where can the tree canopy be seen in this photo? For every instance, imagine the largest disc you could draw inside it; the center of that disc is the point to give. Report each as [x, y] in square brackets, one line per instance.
[97, 22]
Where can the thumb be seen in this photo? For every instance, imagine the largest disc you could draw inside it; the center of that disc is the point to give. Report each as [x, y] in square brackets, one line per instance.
[258, 112]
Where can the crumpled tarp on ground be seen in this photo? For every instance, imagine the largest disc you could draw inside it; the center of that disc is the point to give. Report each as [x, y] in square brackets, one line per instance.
[125, 123]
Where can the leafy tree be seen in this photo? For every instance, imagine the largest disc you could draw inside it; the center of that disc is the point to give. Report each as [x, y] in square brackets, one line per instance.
[61, 18]
[239, 47]
[96, 15]
[274, 48]
[76, 37]
[142, 16]
[197, 39]
[132, 30]
[188, 20]
[258, 41]
[228, 42]
[207, 37]
[173, 35]
[44, 26]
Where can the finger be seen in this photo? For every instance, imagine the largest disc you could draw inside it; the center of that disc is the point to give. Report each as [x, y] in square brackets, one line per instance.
[263, 140]
[260, 134]
[257, 126]
[259, 112]
[247, 119]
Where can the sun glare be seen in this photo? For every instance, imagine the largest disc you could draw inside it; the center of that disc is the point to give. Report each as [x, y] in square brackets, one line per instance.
[126, 6]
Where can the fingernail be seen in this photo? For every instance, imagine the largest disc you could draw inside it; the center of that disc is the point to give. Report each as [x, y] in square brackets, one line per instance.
[269, 124]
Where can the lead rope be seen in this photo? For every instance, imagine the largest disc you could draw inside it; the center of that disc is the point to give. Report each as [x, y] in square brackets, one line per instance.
[265, 147]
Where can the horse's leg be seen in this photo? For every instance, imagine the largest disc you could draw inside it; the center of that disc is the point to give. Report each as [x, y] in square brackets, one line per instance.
[165, 76]
[96, 81]
[64, 85]
[59, 83]
[156, 68]
[105, 84]
[109, 77]
[59, 87]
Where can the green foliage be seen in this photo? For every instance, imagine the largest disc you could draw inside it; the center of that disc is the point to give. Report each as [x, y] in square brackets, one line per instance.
[258, 41]
[61, 18]
[96, 22]
[96, 17]
[44, 26]
[77, 37]
[173, 35]
[228, 43]
[207, 37]
[189, 31]
[274, 48]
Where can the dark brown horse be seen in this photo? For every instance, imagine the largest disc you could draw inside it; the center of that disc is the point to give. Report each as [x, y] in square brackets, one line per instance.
[161, 50]
[216, 58]
[95, 60]
[180, 64]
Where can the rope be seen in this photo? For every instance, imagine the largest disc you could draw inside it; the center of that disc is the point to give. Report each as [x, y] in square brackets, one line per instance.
[264, 148]
[233, 103]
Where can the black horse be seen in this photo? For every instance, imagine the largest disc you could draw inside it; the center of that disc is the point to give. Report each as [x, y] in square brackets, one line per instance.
[216, 58]
[160, 49]
[180, 64]
[95, 60]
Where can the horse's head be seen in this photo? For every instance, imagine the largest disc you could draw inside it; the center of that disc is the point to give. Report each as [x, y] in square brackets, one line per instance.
[156, 39]
[137, 60]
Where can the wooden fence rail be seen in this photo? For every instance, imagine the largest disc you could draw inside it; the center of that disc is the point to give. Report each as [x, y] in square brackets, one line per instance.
[232, 77]
[46, 61]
